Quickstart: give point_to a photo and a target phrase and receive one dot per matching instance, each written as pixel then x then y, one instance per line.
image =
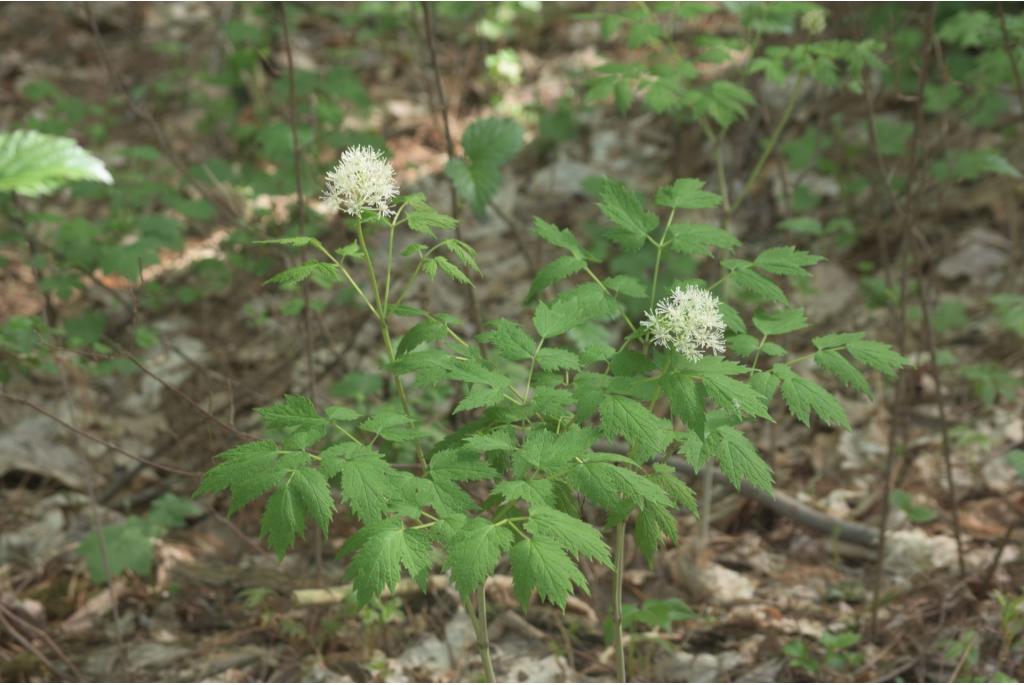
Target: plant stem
pixel 483 637
pixel 620 562
pixel 382 318
pixel 770 147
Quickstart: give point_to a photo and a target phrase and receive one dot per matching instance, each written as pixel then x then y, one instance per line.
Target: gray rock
pixel 428 654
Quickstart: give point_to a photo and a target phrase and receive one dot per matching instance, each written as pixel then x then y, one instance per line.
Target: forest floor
pixel 219 606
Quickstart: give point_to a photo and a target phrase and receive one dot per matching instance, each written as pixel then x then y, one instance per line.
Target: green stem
pixel 620 562
pixel 482 636
pixel 657 259
pixel 607 292
pixel 382 319
pixel 770 147
pixel 533 365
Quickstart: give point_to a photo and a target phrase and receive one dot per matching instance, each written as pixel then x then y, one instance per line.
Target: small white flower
pixel 688 321
pixel 363 179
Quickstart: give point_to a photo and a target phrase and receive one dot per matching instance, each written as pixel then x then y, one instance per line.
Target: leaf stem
pixel 483 637
pixel 382 318
pixel 657 260
pixel 620 562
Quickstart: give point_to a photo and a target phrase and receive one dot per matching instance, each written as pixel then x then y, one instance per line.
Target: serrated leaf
pixel 498 441
pixel 680 493
pixel 834 362
pixel 747 279
pixel 625 209
pixel 511 341
pixel 283 520
pixel 653 524
pixel 495 140
pixel 315 494
pixel 559 237
pixel 34 163
pixel 736 397
pixel 803 395
pixel 125 547
pixel 646 434
pixel 480 396
pixel 459 465
pixel 302 272
pixel 552 273
pixel 367 485
pixel 474 553
pixel 686 399
pixel 572 534
pixel 626 285
pixel 540 563
pixel 877 355
pixel 687 193
pixel 699 239
pixel 739 460
pixel 423 332
pixel 605 483
pixel 781 322
pixel 385 548
pixel 297 418
pixel 556 359
pixel 532 491
pixel 423 218
pixel 786 261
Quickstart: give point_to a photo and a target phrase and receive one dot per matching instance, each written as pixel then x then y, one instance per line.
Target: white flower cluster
pixel 688 321
pixel 363 179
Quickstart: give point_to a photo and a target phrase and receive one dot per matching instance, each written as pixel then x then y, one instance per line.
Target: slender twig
pixel 940 399
pixel 428 24
pixel 770 146
pixel 143 113
pixel 93 438
pixel 897 411
pixel 27 644
pixel 7 614
pixel 307 335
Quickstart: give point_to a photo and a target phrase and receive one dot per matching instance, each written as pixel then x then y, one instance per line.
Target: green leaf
pixel 781 322
pixel 680 493
pixel 315 494
pixel 511 341
pixel 699 239
pixel 626 285
pixel 493 140
pixel 249 470
pixel 646 434
pixel 786 261
pixel 559 237
pixel 572 534
pixel 298 274
pixel 739 460
pixel 532 491
pixel 552 273
pixel 367 484
pixel 687 193
pixel 488 144
pixel 747 279
pixel 381 552
pixel 625 209
pixel 283 520
pixel 847 374
pixel 34 164
pixel 125 547
pixel 423 218
pixel 654 524
pixel 917 513
pixel 498 441
pixel 423 332
pixel 803 395
pixel 877 355
pixel 459 465
pixel 736 397
pixel 604 483
pixel 542 564
pixel 297 418
pixel 686 399
pixel 556 359
pixel 474 553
